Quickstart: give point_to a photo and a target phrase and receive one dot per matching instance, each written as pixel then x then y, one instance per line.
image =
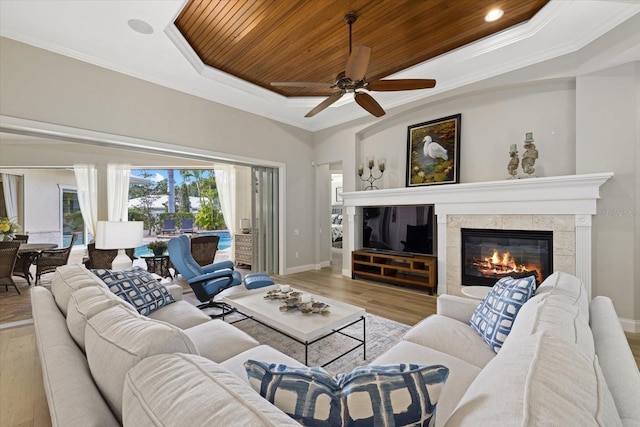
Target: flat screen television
pixel 399 229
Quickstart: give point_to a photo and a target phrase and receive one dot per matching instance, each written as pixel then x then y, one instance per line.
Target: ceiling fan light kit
pixel 353 80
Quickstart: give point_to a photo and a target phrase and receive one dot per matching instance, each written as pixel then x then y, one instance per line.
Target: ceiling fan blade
pixel 324 104
pixel 367 102
pixel 302 84
pixel 401 84
pixel 357 63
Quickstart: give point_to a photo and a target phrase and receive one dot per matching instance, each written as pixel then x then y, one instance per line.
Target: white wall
pixel 47 87
pixel 491 121
pixel 608 139
pixel 43 224
pixel 323 190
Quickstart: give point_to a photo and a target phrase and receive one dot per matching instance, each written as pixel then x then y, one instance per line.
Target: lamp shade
pixel 119 234
pixel 245 225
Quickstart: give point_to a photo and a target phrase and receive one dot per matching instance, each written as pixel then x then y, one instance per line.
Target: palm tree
pixel 172 193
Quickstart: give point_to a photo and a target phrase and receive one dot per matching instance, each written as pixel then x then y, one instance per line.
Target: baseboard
pixel 16 324
pixel 630 325
pixel 323 264
pixel 300 269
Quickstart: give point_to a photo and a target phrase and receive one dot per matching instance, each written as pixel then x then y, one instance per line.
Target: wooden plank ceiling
pixel 307 40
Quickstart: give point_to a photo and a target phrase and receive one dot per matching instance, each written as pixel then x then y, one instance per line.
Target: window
pixel 72 221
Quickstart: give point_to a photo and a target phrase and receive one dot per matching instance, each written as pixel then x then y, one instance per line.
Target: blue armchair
pixel 206 281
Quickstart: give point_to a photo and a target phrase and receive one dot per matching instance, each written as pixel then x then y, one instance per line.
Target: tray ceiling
pixel 266 41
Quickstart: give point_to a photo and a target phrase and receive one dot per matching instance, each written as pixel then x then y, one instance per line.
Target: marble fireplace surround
pixel 563 204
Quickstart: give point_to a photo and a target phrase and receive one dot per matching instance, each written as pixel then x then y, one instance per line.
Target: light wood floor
pixel 22 399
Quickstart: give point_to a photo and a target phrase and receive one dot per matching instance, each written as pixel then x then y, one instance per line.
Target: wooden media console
pixel 414 270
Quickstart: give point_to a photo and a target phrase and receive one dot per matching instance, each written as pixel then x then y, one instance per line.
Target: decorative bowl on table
pixel 295 300
pixel 278 294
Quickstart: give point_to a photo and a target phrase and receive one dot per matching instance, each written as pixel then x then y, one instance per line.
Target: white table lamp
pixel 119 235
pixel 245 225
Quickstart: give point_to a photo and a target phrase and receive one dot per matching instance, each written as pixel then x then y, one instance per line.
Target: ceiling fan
pixel 352 80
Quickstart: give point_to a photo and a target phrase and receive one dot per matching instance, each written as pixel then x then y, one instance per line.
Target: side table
pixel 243 248
pixel 158 264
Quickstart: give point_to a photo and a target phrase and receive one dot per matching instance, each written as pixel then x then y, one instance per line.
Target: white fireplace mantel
pixel 558 195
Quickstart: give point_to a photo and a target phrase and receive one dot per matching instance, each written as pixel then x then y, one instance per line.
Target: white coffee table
pixel 303 328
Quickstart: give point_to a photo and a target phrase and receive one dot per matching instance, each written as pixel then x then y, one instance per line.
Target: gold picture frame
pixel 433 152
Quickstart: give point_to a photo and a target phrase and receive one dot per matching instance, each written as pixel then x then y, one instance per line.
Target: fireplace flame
pixel 505 264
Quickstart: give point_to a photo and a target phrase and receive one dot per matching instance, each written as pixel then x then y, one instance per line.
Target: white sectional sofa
pixel 104 364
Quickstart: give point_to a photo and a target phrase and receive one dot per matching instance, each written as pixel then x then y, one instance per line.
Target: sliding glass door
pixel 264 210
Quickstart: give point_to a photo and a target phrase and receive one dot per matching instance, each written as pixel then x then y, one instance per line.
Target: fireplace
pixel 489 255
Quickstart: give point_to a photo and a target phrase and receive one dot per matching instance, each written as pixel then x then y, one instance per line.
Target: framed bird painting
pixel 433 152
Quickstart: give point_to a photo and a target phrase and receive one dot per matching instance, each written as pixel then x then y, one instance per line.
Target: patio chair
pixel 204 248
pixel 8 255
pixel 23 261
pixel 168 226
pixel 102 258
pixel 206 281
pixel 22 238
pixel 187 225
pixel 47 261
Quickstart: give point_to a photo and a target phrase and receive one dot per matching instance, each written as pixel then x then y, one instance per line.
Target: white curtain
pixel 10 188
pixel 118 191
pixel 87 188
pixel 226 184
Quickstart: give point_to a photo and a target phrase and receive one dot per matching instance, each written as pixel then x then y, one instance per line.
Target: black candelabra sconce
pixel 371 179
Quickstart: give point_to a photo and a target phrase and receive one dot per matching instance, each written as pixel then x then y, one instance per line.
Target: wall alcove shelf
pixel 414 270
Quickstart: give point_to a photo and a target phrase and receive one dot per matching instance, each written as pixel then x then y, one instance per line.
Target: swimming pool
pixel 225 238
pixel 224 243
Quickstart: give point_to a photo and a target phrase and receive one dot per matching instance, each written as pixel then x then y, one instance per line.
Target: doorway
pixel 336 210
pixel 144 154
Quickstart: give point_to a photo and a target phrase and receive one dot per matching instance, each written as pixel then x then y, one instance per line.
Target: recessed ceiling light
pixel 139 26
pixel 493 15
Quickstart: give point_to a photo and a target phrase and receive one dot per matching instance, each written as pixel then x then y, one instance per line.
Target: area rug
pixel 382 334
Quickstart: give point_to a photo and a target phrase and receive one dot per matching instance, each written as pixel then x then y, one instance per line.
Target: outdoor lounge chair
pixel 169 226
pixel 206 281
pixel 186 226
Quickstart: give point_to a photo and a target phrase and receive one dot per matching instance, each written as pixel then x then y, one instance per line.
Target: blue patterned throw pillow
pixel 495 315
pixel 394 395
pixel 138 287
